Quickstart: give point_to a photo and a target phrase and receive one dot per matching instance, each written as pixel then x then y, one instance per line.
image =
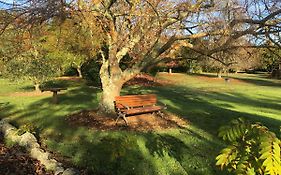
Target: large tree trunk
pixel 111 87
pixel 109 92
pixel 112 80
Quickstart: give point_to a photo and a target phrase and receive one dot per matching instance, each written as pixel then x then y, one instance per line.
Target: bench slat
pixel 122 104
pixel 135 100
pixel 136 96
pixel 142 110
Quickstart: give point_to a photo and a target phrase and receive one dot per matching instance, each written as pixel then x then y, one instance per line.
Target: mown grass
pixel 206 102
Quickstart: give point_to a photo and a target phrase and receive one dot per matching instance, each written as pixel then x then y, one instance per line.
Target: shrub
pixel 252 149
pixel 90 71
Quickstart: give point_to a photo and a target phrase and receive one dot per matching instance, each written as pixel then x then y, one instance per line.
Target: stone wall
pixel 29 141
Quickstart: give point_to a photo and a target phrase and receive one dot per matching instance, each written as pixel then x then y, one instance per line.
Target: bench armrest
pixel 125 105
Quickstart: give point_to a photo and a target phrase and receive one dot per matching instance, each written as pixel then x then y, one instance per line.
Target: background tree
pixel 32 66
pixel 74 42
pixel 240 59
pixel 25 55
pixel 271 59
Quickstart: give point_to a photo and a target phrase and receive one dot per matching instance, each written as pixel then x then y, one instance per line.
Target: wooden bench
pixel 55 93
pixel 136 104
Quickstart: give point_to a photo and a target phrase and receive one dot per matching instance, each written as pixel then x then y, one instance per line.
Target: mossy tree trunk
pixel 113 79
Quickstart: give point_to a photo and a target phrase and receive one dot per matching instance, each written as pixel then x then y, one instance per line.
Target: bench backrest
pixel 135 100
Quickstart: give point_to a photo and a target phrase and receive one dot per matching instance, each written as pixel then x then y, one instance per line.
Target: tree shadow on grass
pixel 123 152
pixel 6 109
pixel 196 106
pixel 204 75
pixel 258 79
pixel 105 154
pixel 27 88
pixel 43 114
pixel 260 82
pixel 139 153
pixel 111 152
pixel 194 156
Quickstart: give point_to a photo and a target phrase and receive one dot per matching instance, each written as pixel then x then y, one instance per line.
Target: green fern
pixel 234 131
pixel 252 149
pixel 227 155
pixel 270 154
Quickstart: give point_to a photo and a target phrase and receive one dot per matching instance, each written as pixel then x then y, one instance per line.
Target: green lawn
pixel 203 100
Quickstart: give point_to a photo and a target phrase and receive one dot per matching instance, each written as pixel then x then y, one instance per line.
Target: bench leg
pixel 118 116
pixel 55 97
pixel 124 118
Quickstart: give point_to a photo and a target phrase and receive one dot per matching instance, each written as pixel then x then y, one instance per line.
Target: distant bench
pixel 136 104
pixel 55 93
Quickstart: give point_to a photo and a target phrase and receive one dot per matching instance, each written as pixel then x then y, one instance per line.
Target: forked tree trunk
pixel 37 87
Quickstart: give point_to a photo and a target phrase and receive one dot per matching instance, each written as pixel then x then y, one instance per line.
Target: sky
pixel 3 3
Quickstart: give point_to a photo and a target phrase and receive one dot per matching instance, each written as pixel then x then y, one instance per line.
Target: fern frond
pixel 242 167
pixel 226 156
pixel 234 131
pixel 250 171
pixel 253 149
pixel 270 153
